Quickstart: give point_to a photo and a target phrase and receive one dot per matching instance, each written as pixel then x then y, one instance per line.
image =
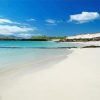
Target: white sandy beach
pixel 75 78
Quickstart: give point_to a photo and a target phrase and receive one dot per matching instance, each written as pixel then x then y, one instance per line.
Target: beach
pixel 49 50
pixel 77 77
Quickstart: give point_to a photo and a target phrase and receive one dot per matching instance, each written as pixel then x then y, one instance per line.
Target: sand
pixel 75 78
pixel 89 43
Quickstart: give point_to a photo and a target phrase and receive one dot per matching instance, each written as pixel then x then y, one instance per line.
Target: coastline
pixel 10 74
pixel 75 78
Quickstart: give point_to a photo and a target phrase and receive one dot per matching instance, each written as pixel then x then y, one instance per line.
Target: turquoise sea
pixel 31 53
pixel 33 44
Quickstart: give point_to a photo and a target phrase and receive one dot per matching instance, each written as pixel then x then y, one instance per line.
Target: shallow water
pixel 24 53
pixel 19 58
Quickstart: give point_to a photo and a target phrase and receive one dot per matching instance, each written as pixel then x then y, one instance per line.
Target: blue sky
pixel 49 17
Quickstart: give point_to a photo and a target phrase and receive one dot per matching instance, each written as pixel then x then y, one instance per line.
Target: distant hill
pixel 7 37
pixel 33 38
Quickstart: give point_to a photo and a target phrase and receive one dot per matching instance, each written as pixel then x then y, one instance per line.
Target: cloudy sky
pixel 25 18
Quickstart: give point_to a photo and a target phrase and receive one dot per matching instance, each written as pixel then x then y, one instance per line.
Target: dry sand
pixel 75 78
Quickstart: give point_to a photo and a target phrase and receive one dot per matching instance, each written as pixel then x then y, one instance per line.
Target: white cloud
pixel 84 17
pixel 10 30
pixel 24 35
pixel 31 19
pixel 2 20
pixel 9 27
pixel 51 21
pixel 8 21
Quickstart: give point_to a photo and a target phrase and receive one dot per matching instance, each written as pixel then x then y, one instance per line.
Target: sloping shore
pixel 75 78
pixel 83 44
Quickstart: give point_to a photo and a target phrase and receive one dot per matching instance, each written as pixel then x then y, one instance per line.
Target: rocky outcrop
pixel 91 46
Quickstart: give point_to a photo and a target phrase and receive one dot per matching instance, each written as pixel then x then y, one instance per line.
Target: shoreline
pixel 9 76
pixel 75 78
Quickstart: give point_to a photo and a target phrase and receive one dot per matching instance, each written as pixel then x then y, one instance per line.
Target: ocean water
pixel 33 44
pixel 27 53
